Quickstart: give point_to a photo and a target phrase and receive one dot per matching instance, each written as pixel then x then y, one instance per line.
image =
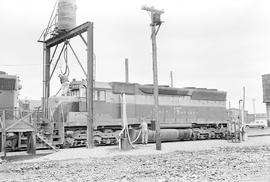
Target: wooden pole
pixel 4 134
pixel 243 108
pixel 19 139
pixel 33 151
pixel 155 80
pixel 28 142
pixel 254 110
pixel 155 21
pixel 171 74
pixel 90 89
pixel 126 70
pixel 242 131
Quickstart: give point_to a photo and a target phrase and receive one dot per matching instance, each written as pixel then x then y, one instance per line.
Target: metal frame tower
pixel 54 42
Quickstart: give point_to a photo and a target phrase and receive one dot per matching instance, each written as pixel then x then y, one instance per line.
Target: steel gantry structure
pixel 64 38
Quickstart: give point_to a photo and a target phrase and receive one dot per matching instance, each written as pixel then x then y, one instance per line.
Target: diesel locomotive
pixel 184 113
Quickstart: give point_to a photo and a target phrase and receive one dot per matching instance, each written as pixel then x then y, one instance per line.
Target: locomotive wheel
pixel 97 140
pixel 224 135
pixel 212 135
pixel 69 142
pixel 9 143
pixel 194 136
pixel 12 143
pixel 108 141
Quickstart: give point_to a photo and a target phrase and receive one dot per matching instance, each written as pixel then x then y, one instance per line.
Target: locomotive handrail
pixel 45 141
pixel 23 118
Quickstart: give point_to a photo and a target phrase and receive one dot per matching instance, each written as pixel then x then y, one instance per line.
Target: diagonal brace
pixel 77 59
pixel 54 53
pixel 83 40
pixel 57 60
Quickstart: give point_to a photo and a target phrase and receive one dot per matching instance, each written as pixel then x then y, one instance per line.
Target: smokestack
pixel 126 70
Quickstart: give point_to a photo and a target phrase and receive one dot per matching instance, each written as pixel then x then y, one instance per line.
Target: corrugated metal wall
pixel 7 84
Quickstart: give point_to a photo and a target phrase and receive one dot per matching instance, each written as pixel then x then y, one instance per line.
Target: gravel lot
pixel 215 160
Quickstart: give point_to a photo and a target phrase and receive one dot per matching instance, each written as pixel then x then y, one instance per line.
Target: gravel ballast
pixel 196 161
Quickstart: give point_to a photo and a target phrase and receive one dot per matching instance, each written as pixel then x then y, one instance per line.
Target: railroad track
pixel 258 135
pixel 256 132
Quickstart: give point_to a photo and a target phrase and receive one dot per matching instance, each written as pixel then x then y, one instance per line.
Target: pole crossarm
pixel 152 9
pixel 70 34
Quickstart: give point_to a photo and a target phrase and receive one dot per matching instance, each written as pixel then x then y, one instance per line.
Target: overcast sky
pixel 222 44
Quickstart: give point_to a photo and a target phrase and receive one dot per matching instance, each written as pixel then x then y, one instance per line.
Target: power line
pixel 20 65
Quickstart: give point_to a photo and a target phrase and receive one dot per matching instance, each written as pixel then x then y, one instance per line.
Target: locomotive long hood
pixel 194 93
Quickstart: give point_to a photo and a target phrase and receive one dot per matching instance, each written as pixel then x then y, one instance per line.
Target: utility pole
pixel 244 119
pixel 243 108
pixel 254 110
pixel 155 22
pixel 237 129
pixel 126 70
pixel 4 134
pixel 171 74
pixel 229 112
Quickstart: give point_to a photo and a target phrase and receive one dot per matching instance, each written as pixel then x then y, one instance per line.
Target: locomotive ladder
pixel 47 142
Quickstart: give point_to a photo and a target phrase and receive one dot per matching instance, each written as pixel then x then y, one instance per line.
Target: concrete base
pixel 125 145
pixel 245 137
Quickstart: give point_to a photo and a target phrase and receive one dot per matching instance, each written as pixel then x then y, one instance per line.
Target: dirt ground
pixel 212 160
